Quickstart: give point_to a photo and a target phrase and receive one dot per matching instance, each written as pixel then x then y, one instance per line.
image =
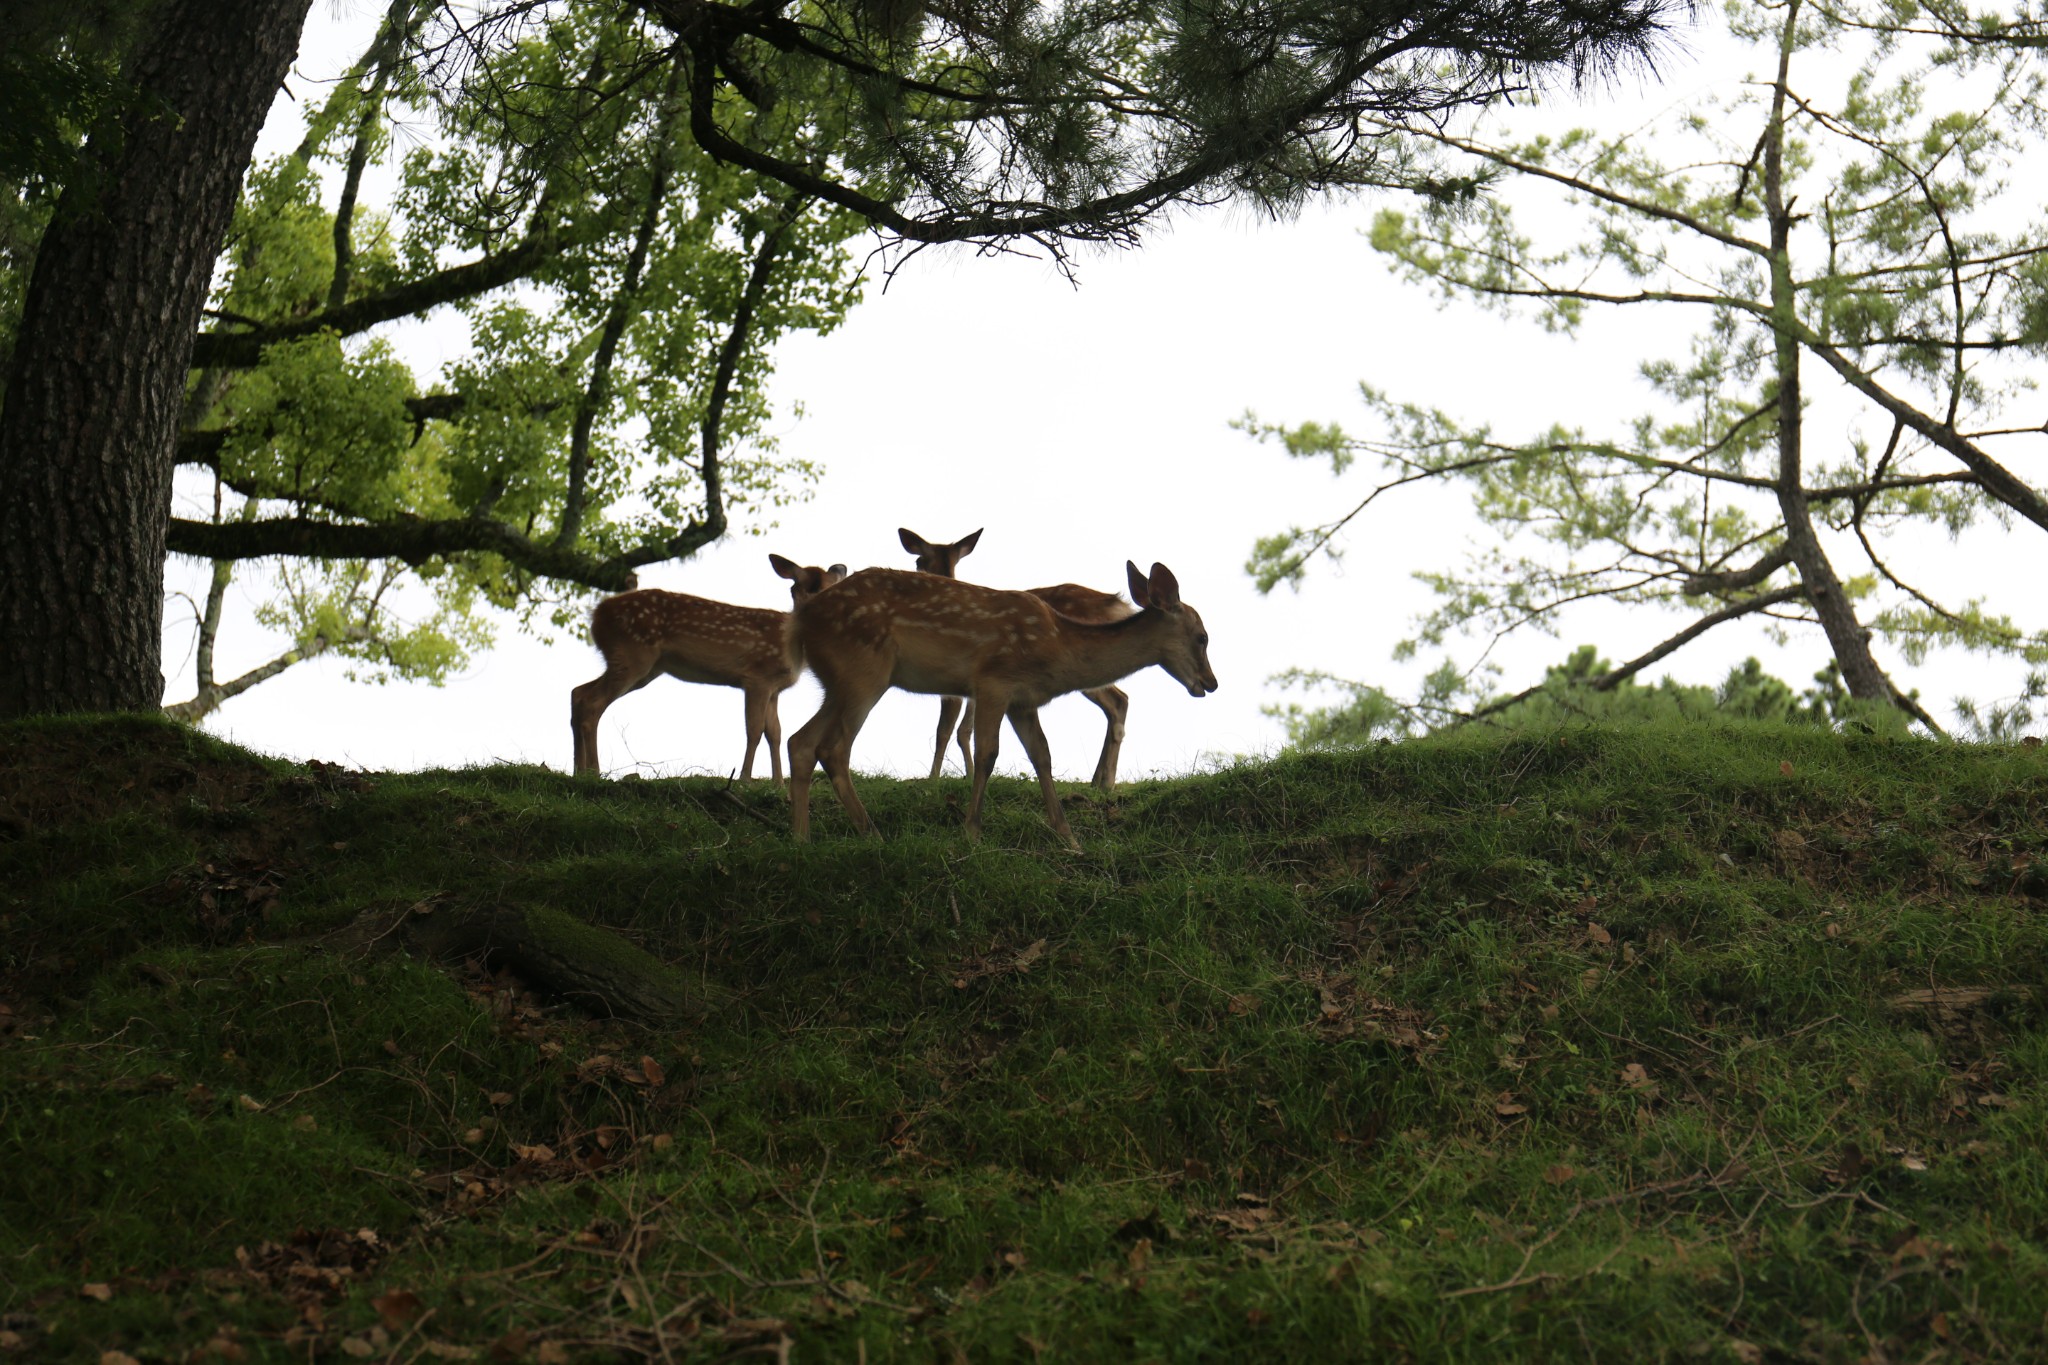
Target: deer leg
pixel 949 711
pixel 1024 720
pixel 587 704
pixel 988 729
pixel 1115 706
pixel 760 705
pixel 771 724
pixel 836 754
pixel 803 759
pixel 965 735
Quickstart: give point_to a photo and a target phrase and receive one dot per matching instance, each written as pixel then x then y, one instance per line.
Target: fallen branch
pixel 553 952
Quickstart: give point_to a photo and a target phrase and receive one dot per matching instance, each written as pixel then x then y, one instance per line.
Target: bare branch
pixel 211 697
pixel 1614 677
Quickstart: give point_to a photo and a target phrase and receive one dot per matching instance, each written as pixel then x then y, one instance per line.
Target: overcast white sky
pixel 1080 427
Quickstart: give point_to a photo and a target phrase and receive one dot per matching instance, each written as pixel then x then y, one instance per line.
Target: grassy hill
pixel 1720 1044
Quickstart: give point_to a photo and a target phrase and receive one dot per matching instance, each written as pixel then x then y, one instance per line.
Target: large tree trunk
pixel 88 431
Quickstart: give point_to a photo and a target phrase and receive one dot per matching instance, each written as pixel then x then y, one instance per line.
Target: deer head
pixel 1187 648
pixel 806 581
pixel 943 560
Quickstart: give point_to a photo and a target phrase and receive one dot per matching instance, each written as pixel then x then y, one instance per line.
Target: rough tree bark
pixel 88 433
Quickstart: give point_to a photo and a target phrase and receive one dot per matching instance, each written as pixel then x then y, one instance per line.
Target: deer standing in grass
pixel 648 632
pixel 1007 652
pixel 1068 599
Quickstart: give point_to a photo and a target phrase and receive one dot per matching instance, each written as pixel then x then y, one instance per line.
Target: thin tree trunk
pixel 1846 635
pixel 94 395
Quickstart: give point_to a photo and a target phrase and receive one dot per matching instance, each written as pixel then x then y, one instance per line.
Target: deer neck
pixel 1099 654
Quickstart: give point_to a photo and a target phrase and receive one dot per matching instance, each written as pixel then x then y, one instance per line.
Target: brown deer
pixel 1068 599
pixel 1007 652
pixel 648 632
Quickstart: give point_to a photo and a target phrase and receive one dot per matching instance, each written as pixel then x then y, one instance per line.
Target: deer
pixel 1068 599
pixel 648 632
pixel 1008 653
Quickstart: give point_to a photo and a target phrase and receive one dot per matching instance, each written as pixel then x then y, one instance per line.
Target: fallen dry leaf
pixel 651 1069
pixel 99 1293
pixel 396 1308
pixel 1243 1219
pixel 1558 1175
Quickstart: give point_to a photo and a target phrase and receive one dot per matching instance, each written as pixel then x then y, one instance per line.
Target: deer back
pixel 1084 604
pixel 696 638
pixel 923 633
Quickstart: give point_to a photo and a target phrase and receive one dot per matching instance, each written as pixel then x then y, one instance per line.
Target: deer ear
pixel 1165 588
pixel 785 568
pixel 835 574
pixel 965 545
pixel 912 541
pixel 1141 591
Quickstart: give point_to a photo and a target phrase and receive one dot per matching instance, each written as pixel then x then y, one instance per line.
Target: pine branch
pixel 1737 580
pixel 1614 677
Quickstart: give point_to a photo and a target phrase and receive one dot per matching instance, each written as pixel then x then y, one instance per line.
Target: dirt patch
pixel 247 822
pixel 53 775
